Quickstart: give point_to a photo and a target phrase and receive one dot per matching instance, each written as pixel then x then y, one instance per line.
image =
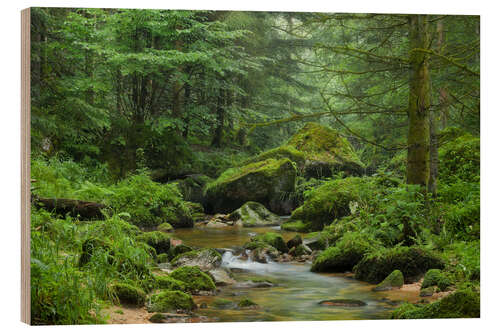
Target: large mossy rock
pixel 128 294
pixel 265 182
pixel 194 279
pixel 435 277
pixel 393 281
pixel 412 261
pixel 331 200
pixel 254 214
pixel 261 251
pixel 205 259
pixel 167 301
pixel 273 239
pixel 461 304
pixel 342 257
pixel 158 240
pixel 318 152
pixel 192 186
pixel 169 283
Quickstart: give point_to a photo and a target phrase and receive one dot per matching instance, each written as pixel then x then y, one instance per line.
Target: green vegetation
pixel 144 121
pixel 167 301
pixel 394 280
pixel 193 278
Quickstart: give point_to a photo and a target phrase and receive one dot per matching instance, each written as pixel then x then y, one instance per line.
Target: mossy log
pixel 84 210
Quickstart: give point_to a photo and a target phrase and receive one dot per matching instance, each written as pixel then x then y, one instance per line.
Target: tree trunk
pixel 217 139
pixel 84 210
pixel 419 102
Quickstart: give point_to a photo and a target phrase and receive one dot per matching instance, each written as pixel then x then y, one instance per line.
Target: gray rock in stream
pixel 221 277
pixel 254 214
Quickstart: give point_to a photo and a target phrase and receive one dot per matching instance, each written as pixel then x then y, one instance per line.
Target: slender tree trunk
pixel 218 133
pixel 187 100
pixel 419 102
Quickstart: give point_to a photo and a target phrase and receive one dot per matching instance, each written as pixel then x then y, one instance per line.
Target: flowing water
pixel 296 291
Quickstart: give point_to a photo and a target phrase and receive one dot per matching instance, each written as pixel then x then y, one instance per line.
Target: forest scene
pixel 224 166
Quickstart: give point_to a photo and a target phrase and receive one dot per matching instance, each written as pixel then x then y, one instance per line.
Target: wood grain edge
pixel 25 165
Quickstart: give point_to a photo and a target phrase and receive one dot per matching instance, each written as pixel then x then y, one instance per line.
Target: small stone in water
pixel 342 302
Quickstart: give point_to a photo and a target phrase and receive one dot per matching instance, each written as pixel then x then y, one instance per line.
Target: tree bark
pixel 217 138
pixel 419 103
pixel 84 210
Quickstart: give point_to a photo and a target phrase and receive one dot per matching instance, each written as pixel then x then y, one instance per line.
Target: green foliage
pixel 459 160
pixel 157 240
pixel 167 282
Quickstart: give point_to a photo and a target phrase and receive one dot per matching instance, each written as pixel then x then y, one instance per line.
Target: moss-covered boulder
pixel 194 279
pixel 254 214
pixel 326 151
pixel 460 304
pixel 205 259
pixel 265 182
pixel 295 241
pixel 178 249
pixel 165 227
pixel 273 239
pixel 318 151
pixel 192 186
pixel 432 278
pixel 171 300
pixel 169 283
pixel 300 250
pixel 427 292
pixel 331 200
pixel 128 294
pixel 395 280
pixel 412 261
pixel 157 240
pixel 342 257
pixel 162 258
pixel 247 303
pixel 261 251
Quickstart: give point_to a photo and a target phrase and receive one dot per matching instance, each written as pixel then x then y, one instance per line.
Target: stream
pixel 296 291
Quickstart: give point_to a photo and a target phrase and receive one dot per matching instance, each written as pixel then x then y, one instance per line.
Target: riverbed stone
pixel 205 259
pixel 221 277
pixel 254 214
pixel 426 292
pixel 343 302
pixel 294 242
pixel 274 239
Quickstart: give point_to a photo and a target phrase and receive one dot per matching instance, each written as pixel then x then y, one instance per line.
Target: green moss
pixel 169 283
pixel 299 250
pixel 128 294
pixel 273 239
pixel 325 149
pixel 254 214
pixel 157 240
pixel 246 303
pixel 168 300
pixel 296 225
pixel 426 292
pixel 285 151
pixel 461 304
pixel 194 279
pixel 222 303
pixel 165 227
pixel 394 280
pixel 157 318
pixel 412 261
pixel 347 252
pixel 431 278
pixel 331 200
pixel 263 182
